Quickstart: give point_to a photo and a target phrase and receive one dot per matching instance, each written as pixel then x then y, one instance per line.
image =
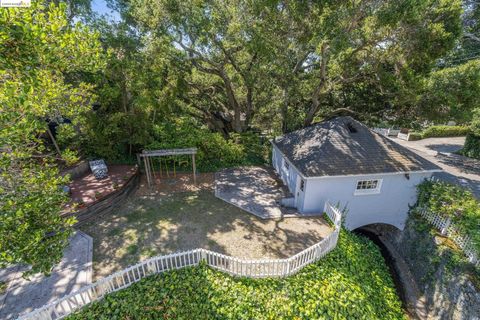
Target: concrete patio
pixel 72 273
pixel 257 190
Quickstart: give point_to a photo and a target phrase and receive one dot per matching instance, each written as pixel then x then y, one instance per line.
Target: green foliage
pixel 351 282
pixel 70 157
pixel 452 93
pixel 137 90
pixel 440 131
pixel 214 151
pixel 277 64
pixel 471 148
pixel 40 55
pixel 414 136
pixel 475 125
pixel 472 142
pixel 32 231
pixel 451 201
pixel 445 131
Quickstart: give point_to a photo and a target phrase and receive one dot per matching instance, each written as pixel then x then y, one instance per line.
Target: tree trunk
pixel 315 106
pixel 249 109
pixel 232 101
pixel 124 96
pixel 284 110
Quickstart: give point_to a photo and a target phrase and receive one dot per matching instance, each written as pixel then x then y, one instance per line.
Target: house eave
pixel 374 174
pixel 272 141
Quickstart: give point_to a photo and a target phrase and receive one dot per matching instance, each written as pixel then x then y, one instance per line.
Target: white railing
pixel 448 228
pixel 232 265
pixel 333 214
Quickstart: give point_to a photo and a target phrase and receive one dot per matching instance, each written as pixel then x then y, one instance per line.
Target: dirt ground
pixel 175 217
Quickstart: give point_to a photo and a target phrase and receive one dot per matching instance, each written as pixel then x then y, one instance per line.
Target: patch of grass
pixel 132 249
pixel 115 232
pixel 351 282
pixel 148 252
pixel 3 287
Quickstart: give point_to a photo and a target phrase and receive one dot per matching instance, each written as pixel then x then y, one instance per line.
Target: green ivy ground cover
pixel 452 201
pixel 351 282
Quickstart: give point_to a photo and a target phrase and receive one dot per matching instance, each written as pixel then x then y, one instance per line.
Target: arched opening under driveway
pixel 384 235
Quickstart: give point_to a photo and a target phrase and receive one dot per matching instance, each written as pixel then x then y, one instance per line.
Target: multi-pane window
pixel 368 186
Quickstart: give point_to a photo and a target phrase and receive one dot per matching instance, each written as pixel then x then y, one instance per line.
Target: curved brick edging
pixel 106 204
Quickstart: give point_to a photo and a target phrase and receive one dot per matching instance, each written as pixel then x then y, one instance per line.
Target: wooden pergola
pixel 147 156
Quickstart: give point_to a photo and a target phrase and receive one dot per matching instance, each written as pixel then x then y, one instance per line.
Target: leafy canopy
pixel 41 56
pixel 245 61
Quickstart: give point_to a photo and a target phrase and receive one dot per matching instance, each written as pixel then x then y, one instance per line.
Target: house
pixel 343 161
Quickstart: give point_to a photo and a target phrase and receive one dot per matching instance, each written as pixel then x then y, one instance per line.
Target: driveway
pixel 441 151
pixel 73 272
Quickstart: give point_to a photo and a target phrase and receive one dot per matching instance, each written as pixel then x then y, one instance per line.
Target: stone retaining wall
pixel 448 289
pixel 77 171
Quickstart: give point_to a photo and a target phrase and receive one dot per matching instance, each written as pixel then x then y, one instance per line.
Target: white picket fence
pixel 448 228
pixel 232 265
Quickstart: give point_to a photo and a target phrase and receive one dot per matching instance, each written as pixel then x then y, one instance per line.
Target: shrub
pixel 351 282
pixel 70 157
pixel 414 136
pixel 457 203
pixel 471 147
pixel 445 131
pixel 214 151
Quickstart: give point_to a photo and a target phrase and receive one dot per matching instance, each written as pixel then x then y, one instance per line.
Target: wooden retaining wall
pixel 105 205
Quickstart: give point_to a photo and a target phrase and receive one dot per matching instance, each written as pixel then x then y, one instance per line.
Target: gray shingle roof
pixel 344 146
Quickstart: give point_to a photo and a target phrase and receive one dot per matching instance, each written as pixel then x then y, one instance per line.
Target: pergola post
pixel 147 171
pixel 152 170
pixel 148 163
pixel 194 169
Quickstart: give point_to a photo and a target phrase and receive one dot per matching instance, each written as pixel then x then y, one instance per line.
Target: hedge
pixel 414 136
pixel 471 147
pixel 445 131
pixel 351 282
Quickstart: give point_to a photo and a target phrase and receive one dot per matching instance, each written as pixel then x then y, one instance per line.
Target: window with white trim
pixel 302 185
pixel 368 186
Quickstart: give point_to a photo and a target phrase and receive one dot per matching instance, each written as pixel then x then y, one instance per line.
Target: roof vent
pixel 351 127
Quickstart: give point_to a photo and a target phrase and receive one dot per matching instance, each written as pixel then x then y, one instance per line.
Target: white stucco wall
pixel 289 178
pixel 389 206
